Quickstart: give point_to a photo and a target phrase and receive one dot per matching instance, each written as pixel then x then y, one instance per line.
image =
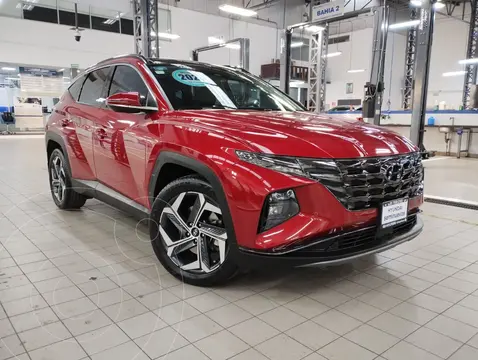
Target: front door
pixel 121 138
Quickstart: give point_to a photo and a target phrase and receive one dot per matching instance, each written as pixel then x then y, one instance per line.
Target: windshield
pixel 208 87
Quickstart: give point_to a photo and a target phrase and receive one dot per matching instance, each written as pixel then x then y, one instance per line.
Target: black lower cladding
pixel 351 242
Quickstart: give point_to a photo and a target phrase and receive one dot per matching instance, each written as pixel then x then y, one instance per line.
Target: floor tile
pixel 433 342
pixel 174 313
pixel 256 304
pixel 394 325
pixel 11 346
pixel 102 339
pixel 329 297
pixel 251 354
pixel 341 349
pixel 76 309
pixel 465 353
pixel 372 339
pixel 44 335
pixel 404 350
pixel 282 347
pixel 197 328
pixel 430 302
pixel 229 315
pixel 359 310
pixel 81 324
pixel 445 293
pixel 59 296
pixel 126 351
pixel 413 313
pixel 379 300
pixel 306 307
pixel 24 305
pixel 207 301
pixel 254 331
pixel 312 335
pixel 187 352
pixel 349 288
pixel 222 345
pixel 337 322
pixel 470 301
pixel 32 320
pixel 452 328
pixel 125 310
pixel 66 349
pixel 282 318
pixel 397 291
pixel 109 297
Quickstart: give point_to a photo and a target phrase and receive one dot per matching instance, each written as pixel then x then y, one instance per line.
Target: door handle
pixel 101 133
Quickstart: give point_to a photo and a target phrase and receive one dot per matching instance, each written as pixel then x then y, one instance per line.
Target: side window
pixel 127 79
pixel 75 88
pixel 92 91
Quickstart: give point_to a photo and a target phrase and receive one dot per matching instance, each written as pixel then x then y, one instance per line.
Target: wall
pixel 53 45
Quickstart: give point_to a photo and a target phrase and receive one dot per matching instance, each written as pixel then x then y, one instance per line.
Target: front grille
pixel 365 183
pixel 354 241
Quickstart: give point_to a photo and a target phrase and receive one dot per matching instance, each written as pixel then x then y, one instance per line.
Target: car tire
pixel 188 209
pixel 60 183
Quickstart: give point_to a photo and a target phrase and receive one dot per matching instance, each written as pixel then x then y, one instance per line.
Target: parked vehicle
pixel 231 172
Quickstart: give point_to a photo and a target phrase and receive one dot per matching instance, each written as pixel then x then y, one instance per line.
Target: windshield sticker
pixel 188 78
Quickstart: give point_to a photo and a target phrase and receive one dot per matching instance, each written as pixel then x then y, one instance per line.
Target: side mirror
pixel 129 102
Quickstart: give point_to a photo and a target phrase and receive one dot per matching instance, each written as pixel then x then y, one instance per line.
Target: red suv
pixel 231 172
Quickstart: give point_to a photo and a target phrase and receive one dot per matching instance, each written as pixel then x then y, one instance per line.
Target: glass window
pixel 196 86
pixel 127 79
pixel 75 88
pixel 92 91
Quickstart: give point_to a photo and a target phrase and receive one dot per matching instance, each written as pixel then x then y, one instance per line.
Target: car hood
pixel 301 134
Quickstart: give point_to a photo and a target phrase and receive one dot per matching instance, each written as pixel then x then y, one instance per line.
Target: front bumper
pixel 334 249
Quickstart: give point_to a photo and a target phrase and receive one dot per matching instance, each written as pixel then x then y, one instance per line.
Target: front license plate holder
pixel 393 212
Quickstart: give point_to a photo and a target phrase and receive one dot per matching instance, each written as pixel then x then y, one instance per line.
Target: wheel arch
pixel 54 141
pixel 167 158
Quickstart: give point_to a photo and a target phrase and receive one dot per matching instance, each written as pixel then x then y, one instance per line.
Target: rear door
pixel 121 138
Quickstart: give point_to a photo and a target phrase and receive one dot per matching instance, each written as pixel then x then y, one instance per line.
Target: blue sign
pixel 188 78
pixel 459 131
pixel 328 10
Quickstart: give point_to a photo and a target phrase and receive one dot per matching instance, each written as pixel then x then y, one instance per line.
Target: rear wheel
pixel 60 183
pixel 188 233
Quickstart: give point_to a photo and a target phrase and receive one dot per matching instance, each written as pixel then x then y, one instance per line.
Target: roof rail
pixel 140 57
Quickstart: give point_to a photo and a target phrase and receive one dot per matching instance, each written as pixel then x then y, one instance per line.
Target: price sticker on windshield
pixel 188 78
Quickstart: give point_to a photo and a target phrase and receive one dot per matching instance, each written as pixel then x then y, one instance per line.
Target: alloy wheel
pixel 193 233
pixel 58 182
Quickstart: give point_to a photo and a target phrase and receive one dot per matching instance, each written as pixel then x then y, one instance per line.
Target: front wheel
pixel 188 234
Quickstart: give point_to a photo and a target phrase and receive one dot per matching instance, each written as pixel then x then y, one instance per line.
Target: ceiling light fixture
pixel 297 44
pixel 237 10
pixel 61 70
pixel 468 61
pixel 168 36
pixel 233 46
pixel 438 5
pixel 416 3
pixel 312 28
pixel 213 40
pixel 334 54
pixel 454 73
pixel 405 24
pixel 6 68
pixel 355 71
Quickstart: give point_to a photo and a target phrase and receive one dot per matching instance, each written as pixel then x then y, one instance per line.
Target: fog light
pixel 278 207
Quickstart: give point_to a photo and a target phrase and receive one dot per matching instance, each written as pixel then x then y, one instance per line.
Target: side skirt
pixel 111 197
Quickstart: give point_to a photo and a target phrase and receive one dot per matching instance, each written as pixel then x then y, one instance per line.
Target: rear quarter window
pixel 75 88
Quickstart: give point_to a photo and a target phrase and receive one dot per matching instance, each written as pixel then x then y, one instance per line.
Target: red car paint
pixel 120 150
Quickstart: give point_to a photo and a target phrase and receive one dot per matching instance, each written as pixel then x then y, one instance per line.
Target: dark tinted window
pixel 203 87
pixel 127 79
pixel 92 91
pixel 75 88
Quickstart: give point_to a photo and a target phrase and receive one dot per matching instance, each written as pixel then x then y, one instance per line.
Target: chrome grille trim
pixel 364 183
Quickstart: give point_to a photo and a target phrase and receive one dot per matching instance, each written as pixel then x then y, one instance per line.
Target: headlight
pixel 288 165
pixel 278 207
pixel 315 169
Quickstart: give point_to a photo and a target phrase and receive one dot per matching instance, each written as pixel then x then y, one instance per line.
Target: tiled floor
pixel 86 285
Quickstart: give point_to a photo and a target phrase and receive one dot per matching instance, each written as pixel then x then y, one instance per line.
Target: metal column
pixel 410 54
pixel 317 68
pixel 377 69
pixel 285 60
pixel 422 68
pixel 471 52
pixel 244 55
pixel 145 17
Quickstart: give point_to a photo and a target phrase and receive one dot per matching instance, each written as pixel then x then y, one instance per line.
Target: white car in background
pixel 347 112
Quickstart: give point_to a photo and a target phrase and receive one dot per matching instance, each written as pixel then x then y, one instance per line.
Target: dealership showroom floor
pixel 86 285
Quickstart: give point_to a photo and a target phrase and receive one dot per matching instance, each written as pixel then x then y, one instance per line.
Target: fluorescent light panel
pixel 237 10
pixel 233 46
pixel 6 68
pixel 438 5
pixel 468 61
pixel 454 73
pixel 355 70
pixel 416 3
pixel 312 28
pixel 405 24
pixel 214 40
pixel 168 36
pixel 297 44
pixel 334 54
